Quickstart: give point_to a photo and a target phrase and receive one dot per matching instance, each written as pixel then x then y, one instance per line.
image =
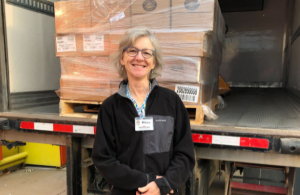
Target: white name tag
pixel 144 124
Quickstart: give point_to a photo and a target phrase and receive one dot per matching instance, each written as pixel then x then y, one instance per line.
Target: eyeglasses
pixel 146 53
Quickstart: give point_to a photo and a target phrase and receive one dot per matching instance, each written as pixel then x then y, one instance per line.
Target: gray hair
pixel 128 40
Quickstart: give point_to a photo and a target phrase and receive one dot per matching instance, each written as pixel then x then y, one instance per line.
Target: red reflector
pixel 27 125
pixel 202 138
pixel 63 128
pixel 254 142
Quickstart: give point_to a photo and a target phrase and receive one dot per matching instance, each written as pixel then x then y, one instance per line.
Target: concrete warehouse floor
pixel 36 180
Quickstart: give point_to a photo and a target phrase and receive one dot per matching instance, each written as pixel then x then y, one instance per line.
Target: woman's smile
pixel 140 66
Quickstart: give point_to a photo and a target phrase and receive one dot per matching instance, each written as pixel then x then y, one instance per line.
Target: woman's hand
pixel 150 189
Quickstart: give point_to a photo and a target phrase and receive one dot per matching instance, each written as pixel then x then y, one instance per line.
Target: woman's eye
pixel 132 51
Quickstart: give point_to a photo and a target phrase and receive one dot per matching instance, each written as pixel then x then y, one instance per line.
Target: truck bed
pixel 266 108
pixel 259 111
pixel 266 111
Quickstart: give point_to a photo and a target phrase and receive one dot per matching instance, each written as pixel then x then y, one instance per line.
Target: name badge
pixel 144 124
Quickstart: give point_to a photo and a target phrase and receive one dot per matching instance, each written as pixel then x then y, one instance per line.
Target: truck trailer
pixel 257 133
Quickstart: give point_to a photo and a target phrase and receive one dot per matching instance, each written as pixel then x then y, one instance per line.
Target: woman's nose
pixel 139 56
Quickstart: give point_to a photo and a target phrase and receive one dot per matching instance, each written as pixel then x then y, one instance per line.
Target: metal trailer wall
pixel 253 49
pixel 294 62
pixel 33 65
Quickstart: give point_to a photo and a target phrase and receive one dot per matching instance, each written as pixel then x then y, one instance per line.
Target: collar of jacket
pixel 122 87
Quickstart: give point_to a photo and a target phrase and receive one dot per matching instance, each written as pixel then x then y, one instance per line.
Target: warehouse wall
pixel 31 50
pixel 294 65
pixel 254 44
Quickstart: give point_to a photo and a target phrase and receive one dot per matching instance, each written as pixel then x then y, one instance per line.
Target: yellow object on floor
pixel 223 87
pixel 13 160
pixel 42 154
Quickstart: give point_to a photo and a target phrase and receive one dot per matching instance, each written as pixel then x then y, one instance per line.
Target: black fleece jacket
pixel 130 159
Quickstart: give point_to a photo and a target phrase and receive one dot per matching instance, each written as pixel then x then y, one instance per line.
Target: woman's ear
pixel 153 65
pixel 122 61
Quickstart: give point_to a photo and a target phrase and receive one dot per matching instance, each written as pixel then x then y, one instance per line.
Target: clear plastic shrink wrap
pixel 190 32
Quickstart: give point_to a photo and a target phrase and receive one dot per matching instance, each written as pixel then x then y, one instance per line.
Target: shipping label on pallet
pixel 93 42
pixel 66 43
pixel 187 93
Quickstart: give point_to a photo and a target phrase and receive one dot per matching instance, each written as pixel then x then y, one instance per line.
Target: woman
pixel 143 141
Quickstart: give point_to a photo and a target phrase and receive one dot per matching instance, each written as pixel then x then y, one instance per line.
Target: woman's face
pixel 138 67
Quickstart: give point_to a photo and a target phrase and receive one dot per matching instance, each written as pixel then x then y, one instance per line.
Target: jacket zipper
pixel 137 114
pixel 143 156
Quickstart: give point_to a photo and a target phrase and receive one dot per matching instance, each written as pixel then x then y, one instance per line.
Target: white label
pixel 187 93
pixel 43 126
pixel 144 124
pixel 205 44
pixel 66 43
pixel 226 140
pixel 93 42
pixel 117 17
pixel 83 129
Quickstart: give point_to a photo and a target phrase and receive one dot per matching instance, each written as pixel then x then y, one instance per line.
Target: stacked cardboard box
pixel 190 32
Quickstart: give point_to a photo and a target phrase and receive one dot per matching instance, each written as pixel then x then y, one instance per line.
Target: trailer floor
pixel 260 108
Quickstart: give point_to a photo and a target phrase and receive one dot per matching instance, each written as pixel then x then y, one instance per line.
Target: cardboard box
pixel 193 6
pixel 111 15
pixel 206 92
pixel 86 90
pixel 182 36
pixel 207 80
pixel 82 45
pixel 198 15
pixel 193 21
pixel 185 49
pixel 199 70
pixel 85 67
pixel 150 6
pixel 86 78
pixel 72 16
pixel 180 69
pixel 116 37
pixel 156 21
pixel 114 46
pixel 120 21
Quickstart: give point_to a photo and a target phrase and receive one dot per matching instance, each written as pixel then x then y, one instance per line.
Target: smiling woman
pixel 136 64
pixel 130 38
pixel 143 142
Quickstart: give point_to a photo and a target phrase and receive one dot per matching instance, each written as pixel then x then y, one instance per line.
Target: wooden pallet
pixel 68 108
pixel 90 109
pixel 195 113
